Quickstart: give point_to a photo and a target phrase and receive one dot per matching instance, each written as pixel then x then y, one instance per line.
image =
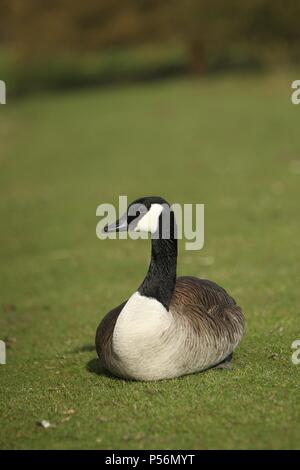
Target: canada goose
pixel 170 326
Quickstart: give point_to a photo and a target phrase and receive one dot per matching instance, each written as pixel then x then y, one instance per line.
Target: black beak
pixel 118 226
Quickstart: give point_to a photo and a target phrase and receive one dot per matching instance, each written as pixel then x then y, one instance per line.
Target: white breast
pixel 151 343
pixel 140 338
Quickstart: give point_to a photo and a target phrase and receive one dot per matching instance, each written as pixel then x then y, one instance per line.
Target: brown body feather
pixel 201 307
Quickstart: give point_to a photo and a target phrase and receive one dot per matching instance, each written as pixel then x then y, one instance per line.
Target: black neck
pixel 160 280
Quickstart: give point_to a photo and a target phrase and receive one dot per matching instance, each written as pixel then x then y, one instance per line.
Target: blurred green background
pixel 186 100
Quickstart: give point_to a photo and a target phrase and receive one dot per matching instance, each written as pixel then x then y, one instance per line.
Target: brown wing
pixel 207 307
pixel 201 292
pixel 104 335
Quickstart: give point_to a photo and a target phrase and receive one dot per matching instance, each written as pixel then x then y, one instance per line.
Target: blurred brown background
pixel 65 43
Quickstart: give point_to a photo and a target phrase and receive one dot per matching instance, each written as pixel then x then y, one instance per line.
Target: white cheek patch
pixel 149 223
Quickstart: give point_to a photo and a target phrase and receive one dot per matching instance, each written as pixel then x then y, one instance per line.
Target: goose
pixel 171 326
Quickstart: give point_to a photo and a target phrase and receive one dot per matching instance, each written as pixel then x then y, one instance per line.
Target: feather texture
pixel 201 329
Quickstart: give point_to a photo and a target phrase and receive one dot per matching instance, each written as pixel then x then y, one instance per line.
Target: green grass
pixel 230 143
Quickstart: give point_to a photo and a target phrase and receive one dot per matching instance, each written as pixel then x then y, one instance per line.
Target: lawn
pixel 231 143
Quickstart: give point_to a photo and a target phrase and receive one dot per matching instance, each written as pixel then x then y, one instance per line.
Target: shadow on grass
pixel 92 365
pixel 95 367
pixel 84 348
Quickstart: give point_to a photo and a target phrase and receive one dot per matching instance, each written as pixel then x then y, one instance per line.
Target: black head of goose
pixel 171 326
